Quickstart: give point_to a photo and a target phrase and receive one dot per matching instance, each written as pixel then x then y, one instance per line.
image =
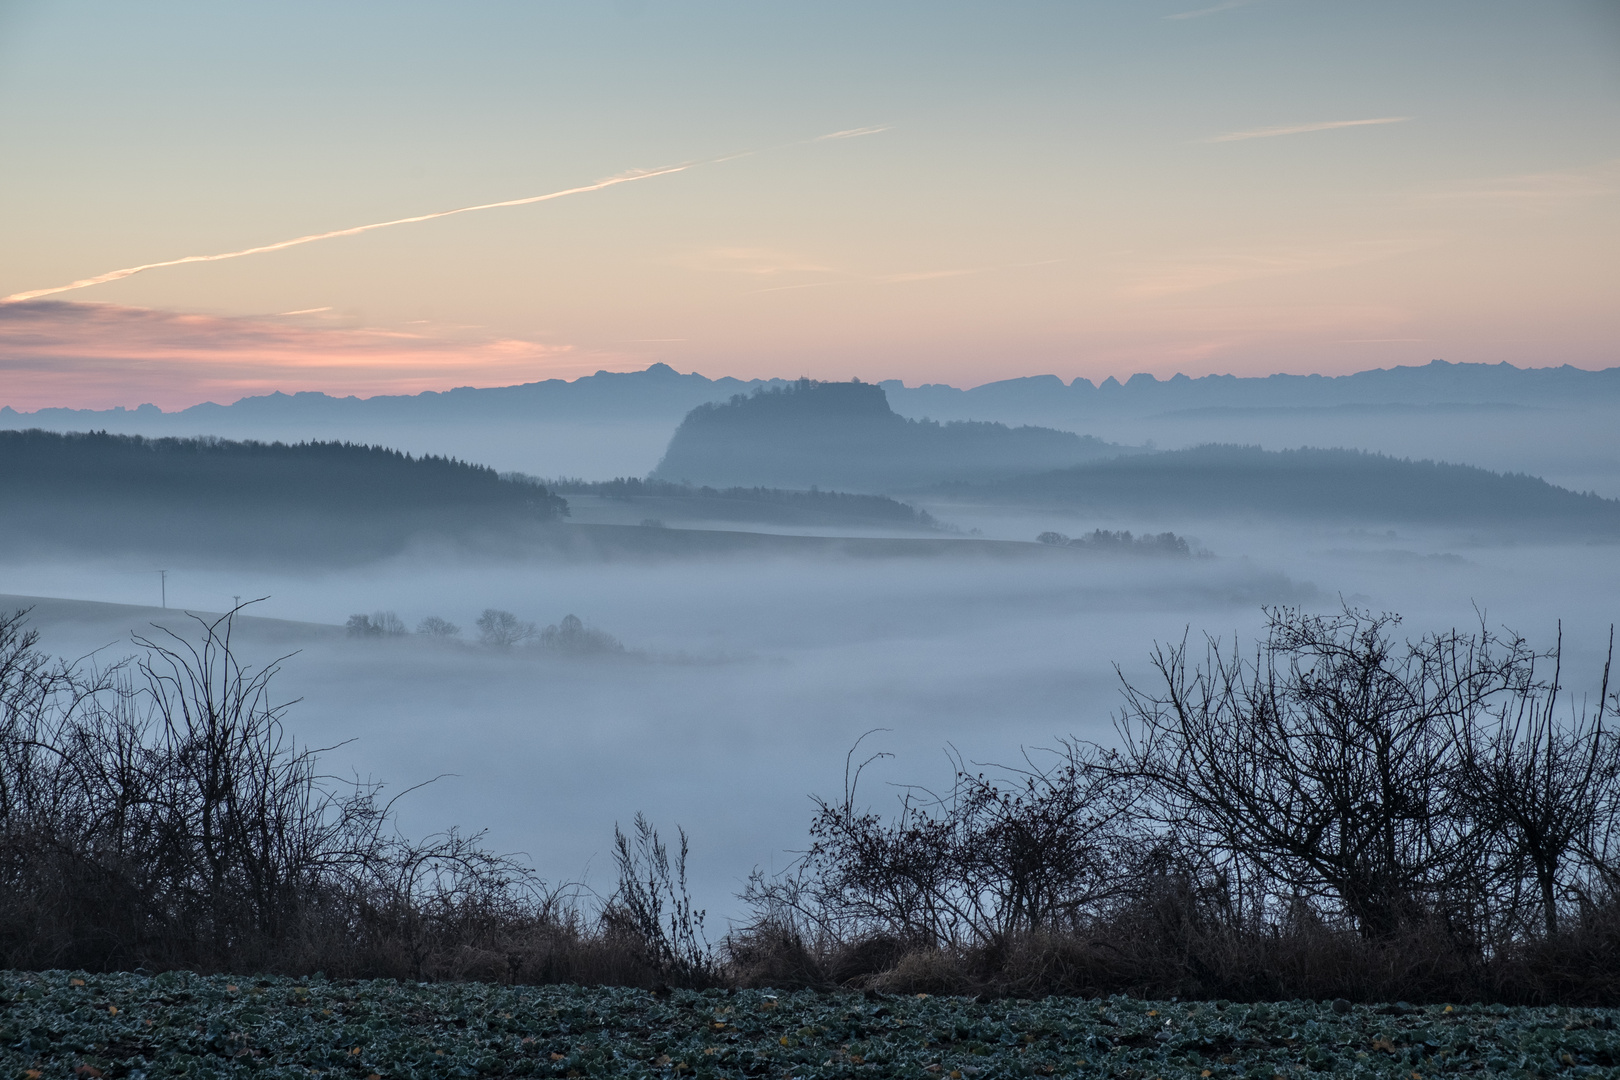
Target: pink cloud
pixel 87 355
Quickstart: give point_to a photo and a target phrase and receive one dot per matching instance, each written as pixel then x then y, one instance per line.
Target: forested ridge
pixel 339 475
pixel 98 491
pixel 1326 484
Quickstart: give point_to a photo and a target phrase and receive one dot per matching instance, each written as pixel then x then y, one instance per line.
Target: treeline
pixel 101 491
pixel 1165 543
pixel 839 505
pixel 498 629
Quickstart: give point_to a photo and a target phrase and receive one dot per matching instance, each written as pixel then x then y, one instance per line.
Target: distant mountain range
pixel 845 435
pixel 619 423
pixel 660 392
pixel 1047 399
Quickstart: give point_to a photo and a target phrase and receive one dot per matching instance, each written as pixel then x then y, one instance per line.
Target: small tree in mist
pixel 502 630
pixel 573 636
pixel 435 627
pixel 378 624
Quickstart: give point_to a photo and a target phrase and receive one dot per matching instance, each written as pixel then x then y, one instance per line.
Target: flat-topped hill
pixel 845 435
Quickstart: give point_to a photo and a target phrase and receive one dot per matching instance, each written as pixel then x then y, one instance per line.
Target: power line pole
pixel 163 578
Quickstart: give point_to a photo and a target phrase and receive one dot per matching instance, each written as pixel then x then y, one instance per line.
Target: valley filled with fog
pixel 746 680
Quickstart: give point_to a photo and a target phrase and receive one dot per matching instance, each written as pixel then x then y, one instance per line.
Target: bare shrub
pixel 996 856
pixel 653 908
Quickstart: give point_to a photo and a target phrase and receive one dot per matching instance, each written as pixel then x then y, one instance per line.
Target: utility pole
pixel 163 578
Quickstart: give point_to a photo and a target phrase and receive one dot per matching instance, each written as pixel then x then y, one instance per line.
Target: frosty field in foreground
pixel 60 1024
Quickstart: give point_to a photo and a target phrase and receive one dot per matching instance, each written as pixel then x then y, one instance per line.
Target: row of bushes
pixel 1339 815
pixel 1165 543
pixel 497 629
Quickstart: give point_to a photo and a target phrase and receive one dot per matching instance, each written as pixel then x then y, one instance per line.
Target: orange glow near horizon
pixel 946 193
pixel 57 354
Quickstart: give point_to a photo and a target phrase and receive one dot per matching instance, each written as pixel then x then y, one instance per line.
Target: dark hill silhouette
pixel 845 435
pixel 1329 485
pixel 100 492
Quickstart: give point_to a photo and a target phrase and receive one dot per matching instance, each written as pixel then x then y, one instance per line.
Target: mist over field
pixel 759 647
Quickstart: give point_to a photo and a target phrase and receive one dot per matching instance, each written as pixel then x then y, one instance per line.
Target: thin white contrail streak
pixel 130 271
pixel 1300 129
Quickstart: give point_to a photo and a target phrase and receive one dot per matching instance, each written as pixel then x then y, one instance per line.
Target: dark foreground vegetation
pixel 62 1023
pixel 100 492
pixel 1339 815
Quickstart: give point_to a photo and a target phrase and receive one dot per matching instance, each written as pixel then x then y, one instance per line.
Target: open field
pixel 61 1023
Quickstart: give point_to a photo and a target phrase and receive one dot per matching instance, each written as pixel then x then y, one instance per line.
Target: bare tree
pixel 501 629
pixel 1328 762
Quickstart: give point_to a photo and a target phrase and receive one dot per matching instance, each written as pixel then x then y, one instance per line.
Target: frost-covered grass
pixel 63 1024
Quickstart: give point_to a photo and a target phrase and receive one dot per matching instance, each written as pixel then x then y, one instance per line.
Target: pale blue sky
pixel 1051 193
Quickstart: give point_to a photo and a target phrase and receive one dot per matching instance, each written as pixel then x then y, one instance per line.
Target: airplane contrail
pixel 130 271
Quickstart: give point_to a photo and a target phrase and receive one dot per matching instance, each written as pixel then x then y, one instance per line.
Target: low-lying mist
pixel 745 680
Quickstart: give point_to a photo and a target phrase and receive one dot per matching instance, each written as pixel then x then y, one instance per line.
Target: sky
pixel 936 192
